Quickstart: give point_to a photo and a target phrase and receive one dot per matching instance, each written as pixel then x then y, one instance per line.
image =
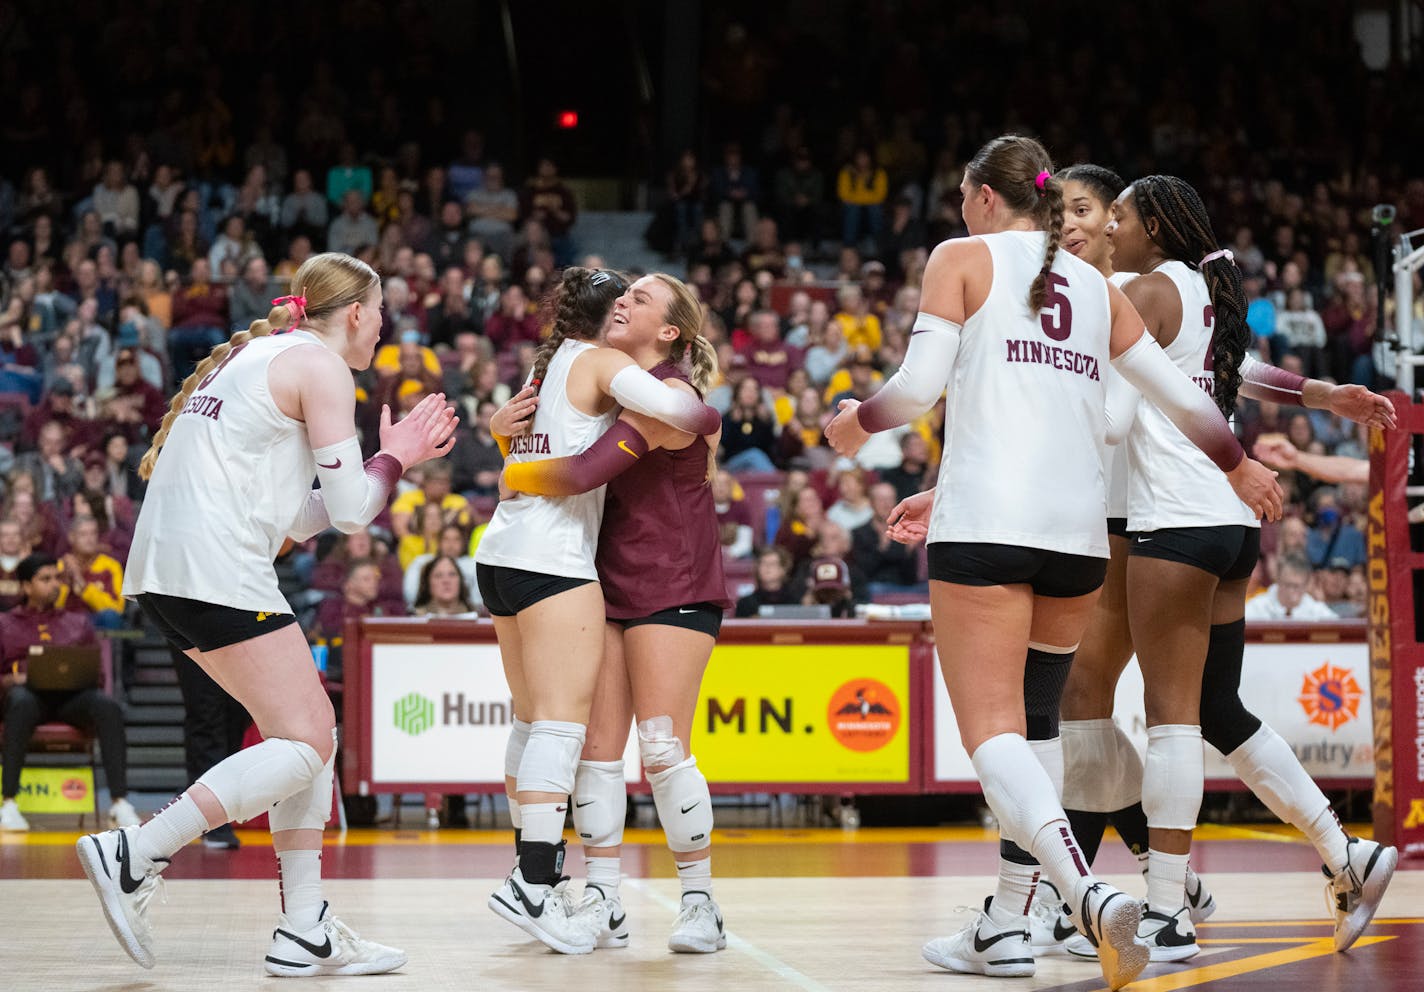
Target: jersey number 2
pixel 1209 319
pixel 1057 313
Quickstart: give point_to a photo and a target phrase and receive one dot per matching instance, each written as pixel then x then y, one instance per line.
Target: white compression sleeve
pixel 642 393
pixel 311 520
pixel 1146 366
pixel 1120 405
pixel 351 492
pixel 921 380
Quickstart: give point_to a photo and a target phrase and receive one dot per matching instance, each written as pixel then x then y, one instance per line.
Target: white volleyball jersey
pixel 1115 455
pixel 1170 482
pixel 547 534
pixel 229 481
pixel 1024 420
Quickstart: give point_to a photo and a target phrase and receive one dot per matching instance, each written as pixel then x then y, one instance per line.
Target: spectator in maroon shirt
pixel 512 322
pixel 199 319
pixel 360 597
pixel 734 517
pixel 136 406
pixel 58 407
pixel 768 358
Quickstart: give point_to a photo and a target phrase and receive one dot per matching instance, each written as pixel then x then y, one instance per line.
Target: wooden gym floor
pixel 806 909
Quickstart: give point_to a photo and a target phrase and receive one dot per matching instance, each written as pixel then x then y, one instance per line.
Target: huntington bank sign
pixel 415 713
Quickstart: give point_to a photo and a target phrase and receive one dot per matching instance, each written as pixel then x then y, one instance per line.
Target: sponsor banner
pixel 1314 695
pixel 442 713
pixel 56 790
pixel 793 713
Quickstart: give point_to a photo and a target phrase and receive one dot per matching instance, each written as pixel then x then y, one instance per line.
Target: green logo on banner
pixel 414 714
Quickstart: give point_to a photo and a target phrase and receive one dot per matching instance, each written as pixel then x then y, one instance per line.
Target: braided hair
pixel 1011 165
pixel 576 309
pixel 1184 234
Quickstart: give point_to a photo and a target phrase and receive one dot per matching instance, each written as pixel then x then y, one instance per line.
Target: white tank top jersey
pixel 1115 455
pixel 551 535
pixel 1170 482
pixel 1025 419
pixel 231 477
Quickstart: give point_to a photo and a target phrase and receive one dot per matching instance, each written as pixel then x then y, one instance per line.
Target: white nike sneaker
pixel 125 887
pixel 1109 919
pixel 1078 946
pixel 11 818
pixel 328 948
pixel 984 948
pixel 1354 893
pixel 122 814
pixel 1168 938
pixel 1049 927
pixel 604 915
pixel 1200 903
pixel 698 927
pixel 545 912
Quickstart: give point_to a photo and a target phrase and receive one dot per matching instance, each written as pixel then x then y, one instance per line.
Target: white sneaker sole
pixel 1120 955
pixel 379 966
pixel 687 944
pixel 1008 969
pixel 91 858
pixel 611 941
pixel 1159 955
pixel 1370 895
pixel 532 928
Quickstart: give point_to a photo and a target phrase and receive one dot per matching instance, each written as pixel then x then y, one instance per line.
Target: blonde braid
pixel 279 317
pixel 704 363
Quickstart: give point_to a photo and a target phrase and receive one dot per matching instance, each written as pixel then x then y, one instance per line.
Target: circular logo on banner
pixel 1330 696
pixel 864 714
pixel 74 789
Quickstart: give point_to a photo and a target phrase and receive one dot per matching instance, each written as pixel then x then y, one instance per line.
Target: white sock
pixel 605 873
pixel 175 826
pixel 1270 768
pixel 1014 893
pixel 543 822
pixel 1062 861
pixel 299 878
pixel 696 879
pixel 516 820
pixel 1166 882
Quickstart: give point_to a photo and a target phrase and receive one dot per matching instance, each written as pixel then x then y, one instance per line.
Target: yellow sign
pixel 56 790
pixel 793 713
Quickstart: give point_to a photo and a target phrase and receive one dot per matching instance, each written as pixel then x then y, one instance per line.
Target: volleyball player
pixel 1194 547
pixel 660 565
pixel 1018 540
pixel 536 572
pixel 261 417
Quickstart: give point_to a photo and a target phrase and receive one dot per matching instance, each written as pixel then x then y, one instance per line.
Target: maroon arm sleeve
pixel 1260 381
pixel 616 451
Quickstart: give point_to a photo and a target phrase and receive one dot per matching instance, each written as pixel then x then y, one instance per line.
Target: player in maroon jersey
pixel 660 564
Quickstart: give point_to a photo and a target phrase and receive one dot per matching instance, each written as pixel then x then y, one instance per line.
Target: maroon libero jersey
pixel 658 547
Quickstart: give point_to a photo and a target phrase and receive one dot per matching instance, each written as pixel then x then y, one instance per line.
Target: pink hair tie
pixel 296 304
pixel 1219 253
pixel 1042 182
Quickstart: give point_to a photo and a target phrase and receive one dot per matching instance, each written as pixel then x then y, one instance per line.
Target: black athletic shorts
pixel 192 623
pixel 702 617
pixel 1228 552
pixel 507 591
pixel 1050 573
pixel 1117 527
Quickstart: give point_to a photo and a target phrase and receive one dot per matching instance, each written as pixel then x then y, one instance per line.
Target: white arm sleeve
pixel 642 393
pixel 311 520
pixel 921 380
pixel 1146 366
pixel 354 493
pixel 1120 405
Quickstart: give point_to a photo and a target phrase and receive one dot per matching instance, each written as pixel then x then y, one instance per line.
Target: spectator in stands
pixel 908 477
pixel 454 544
pixel 133 405
pixel 802 436
pixel 773 586
pixel 733 193
pixel 1299 331
pixel 353 228
pixel 235 246
pixel 802 518
pixel 360 597
pixel 1287 599
pixel 92 581
pixel 828 350
pixel 800 195
pixel 887 565
pixel 861 187
pixel 767 358
pixel 143 335
pixel 452 313
pixel 492 210
pixel 116 202
pixel 547 199
pixel 57 474
pixel 251 296
pixel 764 252
pixel 304 210
pixel 337 551
pixel 860 326
pixel 1349 320
pixel 435 489
pixel 348 176
pixel 121 467
pixel 13 550
pixel 734 517
pixel 443 589
pixel 859 380
pixel 901 233
pixel 39 621
pixel 711 248
pixel 114 514
pixel 475 461
pixel 686 190
pixel 200 319
pixel 512 322
pixel 465 174
pixel 748 430
pixel 1333 536
pixel 852 509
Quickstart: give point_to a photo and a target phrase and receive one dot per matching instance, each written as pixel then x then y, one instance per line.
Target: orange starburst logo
pixel 1330 696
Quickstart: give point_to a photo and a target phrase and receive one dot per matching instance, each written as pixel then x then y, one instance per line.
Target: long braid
pixel 1051 201
pixel 575 309
pixel 1185 234
pixel 279 317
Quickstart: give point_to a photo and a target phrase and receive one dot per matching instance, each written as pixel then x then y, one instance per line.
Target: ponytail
pixel 1019 170
pixel 704 364
pixel 280 316
pixel 1051 200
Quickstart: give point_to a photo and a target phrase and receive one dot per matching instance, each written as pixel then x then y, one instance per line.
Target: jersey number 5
pixel 1057 313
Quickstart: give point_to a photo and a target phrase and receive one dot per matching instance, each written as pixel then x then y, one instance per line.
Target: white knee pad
pixel 1173 776
pixel 684 806
pixel 550 757
pixel 1050 755
pixel 1102 772
pixel 658 746
pixel 514 747
pixel 249 782
pixel 1018 790
pixel 600 803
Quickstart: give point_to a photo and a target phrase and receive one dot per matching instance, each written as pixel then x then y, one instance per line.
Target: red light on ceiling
pixel 568 119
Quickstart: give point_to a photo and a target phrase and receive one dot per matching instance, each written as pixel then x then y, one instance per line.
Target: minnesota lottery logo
pixel 1330 696
pixel 414 714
